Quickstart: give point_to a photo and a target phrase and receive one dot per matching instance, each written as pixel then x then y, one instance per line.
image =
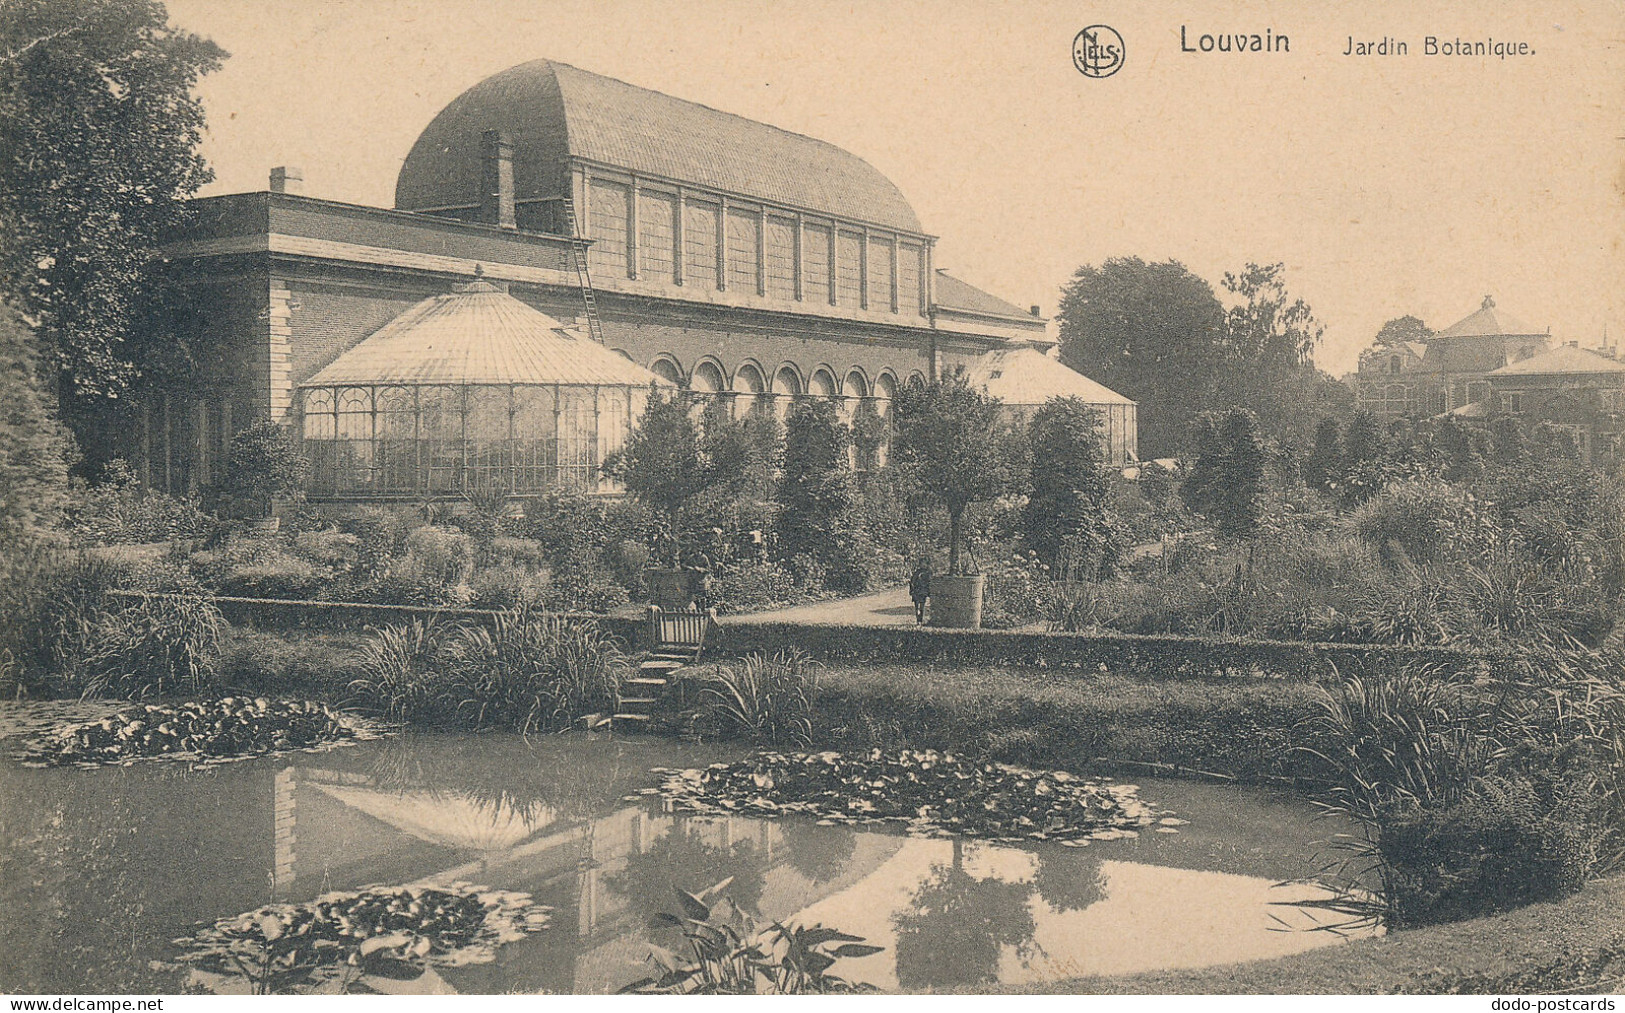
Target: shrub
pixel 271 573
pixel 263 463
pixel 1065 519
pixel 329 548
pixel 506 585
pixel 753 585
pixel 380 534
pixel 581 583
pixel 119 511
pixel 766 700
pixel 157 645
pixel 525 551
pixel 817 494
pixel 438 556
pixel 1425 521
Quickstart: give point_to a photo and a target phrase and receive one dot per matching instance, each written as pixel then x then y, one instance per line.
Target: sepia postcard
pixel 811 497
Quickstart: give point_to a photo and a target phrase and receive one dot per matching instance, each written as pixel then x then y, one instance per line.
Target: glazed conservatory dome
pixel 470 390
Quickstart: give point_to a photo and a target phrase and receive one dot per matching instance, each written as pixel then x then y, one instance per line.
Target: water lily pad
pixel 930 793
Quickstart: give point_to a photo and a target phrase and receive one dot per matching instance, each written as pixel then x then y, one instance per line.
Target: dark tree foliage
pixel 1364 459
pixel 99 132
pixel 660 463
pixel 1507 436
pixel 817 492
pixel 1270 340
pixel 957 448
pixel 1324 465
pixel 1152 332
pixel 1400 330
pixel 739 459
pixel 35 449
pixel 263 462
pixel 1066 519
pixel 1227 482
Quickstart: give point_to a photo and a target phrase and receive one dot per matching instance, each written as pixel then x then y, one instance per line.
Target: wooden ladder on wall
pixel 578 253
pixel 676 641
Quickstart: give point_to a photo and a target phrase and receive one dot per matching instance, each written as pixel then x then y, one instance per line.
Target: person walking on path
pixel 919 588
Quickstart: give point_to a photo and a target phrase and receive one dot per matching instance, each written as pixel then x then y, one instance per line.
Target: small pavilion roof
pixel 1488 321
pixel 479 334
pixel 1563 359
pixel 1026 376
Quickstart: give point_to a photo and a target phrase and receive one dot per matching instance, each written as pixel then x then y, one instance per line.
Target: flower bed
pixel 231 727
pixel 340 938
pixel 934 794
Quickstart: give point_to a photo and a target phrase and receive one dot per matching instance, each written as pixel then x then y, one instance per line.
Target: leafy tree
pixel 1362 472
pixel 34 448
pixel 1270 340
pixel 99 132
pixel 1227 482
pixel 1151 331
pixel 1509 442
pixel 1066 519
pixel 660 462
pixel 957 448
pixel 263 462
pixel 1324 465
pixel 817 493
pixel 1400 330
pixel 739 458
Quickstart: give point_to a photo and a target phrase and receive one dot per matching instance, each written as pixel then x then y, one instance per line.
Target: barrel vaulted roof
pixel 553 112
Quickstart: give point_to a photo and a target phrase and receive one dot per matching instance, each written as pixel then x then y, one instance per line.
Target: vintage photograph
pixel 569 497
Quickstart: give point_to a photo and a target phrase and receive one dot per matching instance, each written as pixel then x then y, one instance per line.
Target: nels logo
pixel 1098 51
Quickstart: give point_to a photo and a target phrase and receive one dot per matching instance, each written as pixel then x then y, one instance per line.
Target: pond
pixel 100 870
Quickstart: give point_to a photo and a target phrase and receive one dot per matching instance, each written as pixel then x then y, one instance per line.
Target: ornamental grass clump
pixel 1474 793
pixel 526 671
pixel 766 700
pixel 530 672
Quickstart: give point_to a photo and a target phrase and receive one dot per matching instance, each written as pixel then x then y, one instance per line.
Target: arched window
pixel 787 386
pixel 667 368
pixel 749 386
pixel 822 384
pixel 708 379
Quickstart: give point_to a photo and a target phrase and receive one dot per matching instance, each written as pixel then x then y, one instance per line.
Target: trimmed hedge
pixel 1158 655
pixel 287 614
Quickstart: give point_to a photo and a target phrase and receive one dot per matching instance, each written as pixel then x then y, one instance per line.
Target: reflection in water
pixel 99 869
pixel 957 925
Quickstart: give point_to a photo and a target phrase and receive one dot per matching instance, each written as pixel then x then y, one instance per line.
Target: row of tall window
pixel 749 250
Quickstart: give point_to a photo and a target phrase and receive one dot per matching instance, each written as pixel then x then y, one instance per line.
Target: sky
pixel 1387 185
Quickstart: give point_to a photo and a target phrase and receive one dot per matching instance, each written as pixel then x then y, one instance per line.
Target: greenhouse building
pixel 469 390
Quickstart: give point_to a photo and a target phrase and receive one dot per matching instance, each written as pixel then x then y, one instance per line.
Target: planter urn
pixel 957 601
pixel 669 587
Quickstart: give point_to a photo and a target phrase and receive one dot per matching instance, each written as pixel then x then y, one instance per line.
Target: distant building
pixel 1576 389
pixel 1447 371
pixel 739 260
pixel 1489 366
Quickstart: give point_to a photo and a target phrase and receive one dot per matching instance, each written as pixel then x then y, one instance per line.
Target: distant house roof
pixel 1026 376
pixel 1487 321
pixel 553 112
pixel 479 334
pixel 953 294
pixel 1562 359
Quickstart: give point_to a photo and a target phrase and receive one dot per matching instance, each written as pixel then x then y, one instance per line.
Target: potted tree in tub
pixel 662 466
pixel 958 449
pixel 262 466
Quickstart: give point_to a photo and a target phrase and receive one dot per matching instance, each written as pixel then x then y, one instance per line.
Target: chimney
pixel 496 179
pixel 287 179
pixel 1034 312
